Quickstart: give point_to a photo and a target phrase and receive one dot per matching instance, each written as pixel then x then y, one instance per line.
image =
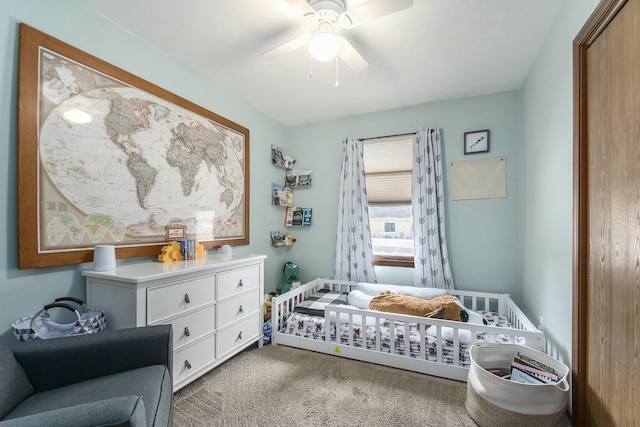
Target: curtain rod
pixel 390 136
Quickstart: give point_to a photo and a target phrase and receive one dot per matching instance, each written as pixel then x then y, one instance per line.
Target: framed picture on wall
pixel 105 157
pixel 476 141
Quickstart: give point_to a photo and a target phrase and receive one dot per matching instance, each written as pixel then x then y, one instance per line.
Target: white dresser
pixel 214 305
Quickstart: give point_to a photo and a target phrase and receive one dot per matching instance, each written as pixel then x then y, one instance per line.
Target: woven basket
pixel 495 402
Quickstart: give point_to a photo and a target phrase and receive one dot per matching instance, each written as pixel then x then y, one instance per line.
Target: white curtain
pixel 354 251
pixel 431 259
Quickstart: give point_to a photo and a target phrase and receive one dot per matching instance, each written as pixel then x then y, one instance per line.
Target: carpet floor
pixel 284 386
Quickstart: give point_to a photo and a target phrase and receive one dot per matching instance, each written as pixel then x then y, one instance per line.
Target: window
pixel 387 164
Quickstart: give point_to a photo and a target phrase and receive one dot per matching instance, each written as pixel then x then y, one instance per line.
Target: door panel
pixel 607 359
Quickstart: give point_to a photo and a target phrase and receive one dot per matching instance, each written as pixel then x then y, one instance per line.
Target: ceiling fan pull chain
pixel 336 72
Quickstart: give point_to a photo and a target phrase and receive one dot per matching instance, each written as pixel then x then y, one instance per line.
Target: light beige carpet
pixel 283 386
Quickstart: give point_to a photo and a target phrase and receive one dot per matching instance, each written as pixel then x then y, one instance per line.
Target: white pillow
pixel 464 335
pixel 422 293
pixel 359 299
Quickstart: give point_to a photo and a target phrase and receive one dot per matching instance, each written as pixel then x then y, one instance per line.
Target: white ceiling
pixel 435 50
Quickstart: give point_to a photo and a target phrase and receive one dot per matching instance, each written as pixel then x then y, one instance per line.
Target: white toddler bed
pixel 432 342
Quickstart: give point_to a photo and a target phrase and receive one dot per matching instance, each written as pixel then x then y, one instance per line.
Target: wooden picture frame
pixel 175 232
pixel 476 141
pixel 105 157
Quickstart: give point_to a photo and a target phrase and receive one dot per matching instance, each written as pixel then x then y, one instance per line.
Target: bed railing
pixel 283 305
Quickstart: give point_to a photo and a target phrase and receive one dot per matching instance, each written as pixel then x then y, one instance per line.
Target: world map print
pixel 118 164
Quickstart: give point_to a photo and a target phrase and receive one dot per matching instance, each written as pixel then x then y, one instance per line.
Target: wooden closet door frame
pixel 597 22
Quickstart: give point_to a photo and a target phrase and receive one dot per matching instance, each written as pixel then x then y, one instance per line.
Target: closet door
pixel 606 339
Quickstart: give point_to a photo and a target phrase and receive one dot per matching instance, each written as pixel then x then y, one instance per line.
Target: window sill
pixel 393 261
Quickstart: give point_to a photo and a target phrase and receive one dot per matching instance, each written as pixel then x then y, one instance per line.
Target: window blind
pixel 387 165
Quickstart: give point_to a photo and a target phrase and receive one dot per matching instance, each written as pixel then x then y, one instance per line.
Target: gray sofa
pixel 114 378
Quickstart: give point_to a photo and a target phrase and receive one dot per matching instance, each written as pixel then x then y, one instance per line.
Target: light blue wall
pixel 22 292
pixel 547 180
pixel 482 234
pixel 520 245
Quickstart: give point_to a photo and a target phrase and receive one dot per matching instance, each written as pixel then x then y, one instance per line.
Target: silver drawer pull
pixel 240 335
pixel 187 364
pixel 186 298
pixel 240 283
pixel 241 309
pixel 186 331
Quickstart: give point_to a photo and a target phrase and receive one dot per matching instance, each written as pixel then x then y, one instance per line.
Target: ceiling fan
pixel 325 20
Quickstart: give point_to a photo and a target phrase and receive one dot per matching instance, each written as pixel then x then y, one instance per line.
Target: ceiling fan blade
pixel 285 48
pixel 351 57
pixel 301 6
pixel 375 9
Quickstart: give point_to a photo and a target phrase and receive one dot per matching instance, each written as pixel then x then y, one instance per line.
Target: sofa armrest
pixel 61 361
pixel 126 411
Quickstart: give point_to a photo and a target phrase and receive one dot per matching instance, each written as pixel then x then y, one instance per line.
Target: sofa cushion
pixel 15 384
pixel 84 357
pixel 126 411
pixel 153 383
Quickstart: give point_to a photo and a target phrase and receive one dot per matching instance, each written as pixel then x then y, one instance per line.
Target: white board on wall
pixel 478 179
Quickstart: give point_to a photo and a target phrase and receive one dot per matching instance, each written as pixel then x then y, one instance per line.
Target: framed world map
pixel 105 157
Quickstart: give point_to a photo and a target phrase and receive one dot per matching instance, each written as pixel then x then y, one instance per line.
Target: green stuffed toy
pixel 290 271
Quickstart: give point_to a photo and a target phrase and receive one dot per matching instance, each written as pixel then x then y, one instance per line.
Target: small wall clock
pixel 476 142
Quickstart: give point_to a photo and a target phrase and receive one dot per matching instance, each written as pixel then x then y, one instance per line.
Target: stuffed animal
pixel 290 271
pixel 289 239
pixel 289 162
pixel 445 307
pixel 266 310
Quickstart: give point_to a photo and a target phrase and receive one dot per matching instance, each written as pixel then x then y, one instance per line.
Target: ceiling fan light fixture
pixel 324 46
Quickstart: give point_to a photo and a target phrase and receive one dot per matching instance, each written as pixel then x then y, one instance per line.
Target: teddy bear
pixel 266 310
pixel 445 307
pixel 266 306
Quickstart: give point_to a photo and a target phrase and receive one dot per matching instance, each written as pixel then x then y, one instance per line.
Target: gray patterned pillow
pixel 314 304
pixel 14 384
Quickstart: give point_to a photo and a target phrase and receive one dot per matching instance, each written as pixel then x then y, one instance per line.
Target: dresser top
pixel 152 270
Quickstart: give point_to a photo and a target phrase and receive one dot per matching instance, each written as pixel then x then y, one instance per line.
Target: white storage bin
pixel 493 401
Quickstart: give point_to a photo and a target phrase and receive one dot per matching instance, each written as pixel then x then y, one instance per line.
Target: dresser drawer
pixel 237 307
pixel 234 281
pixel 190 360
pixel 237 334
pixel 179 297
pixel 195 324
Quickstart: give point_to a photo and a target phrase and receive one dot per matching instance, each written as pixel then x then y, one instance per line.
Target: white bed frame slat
pixel 378 335
pixel 407 342
pixel 283 304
